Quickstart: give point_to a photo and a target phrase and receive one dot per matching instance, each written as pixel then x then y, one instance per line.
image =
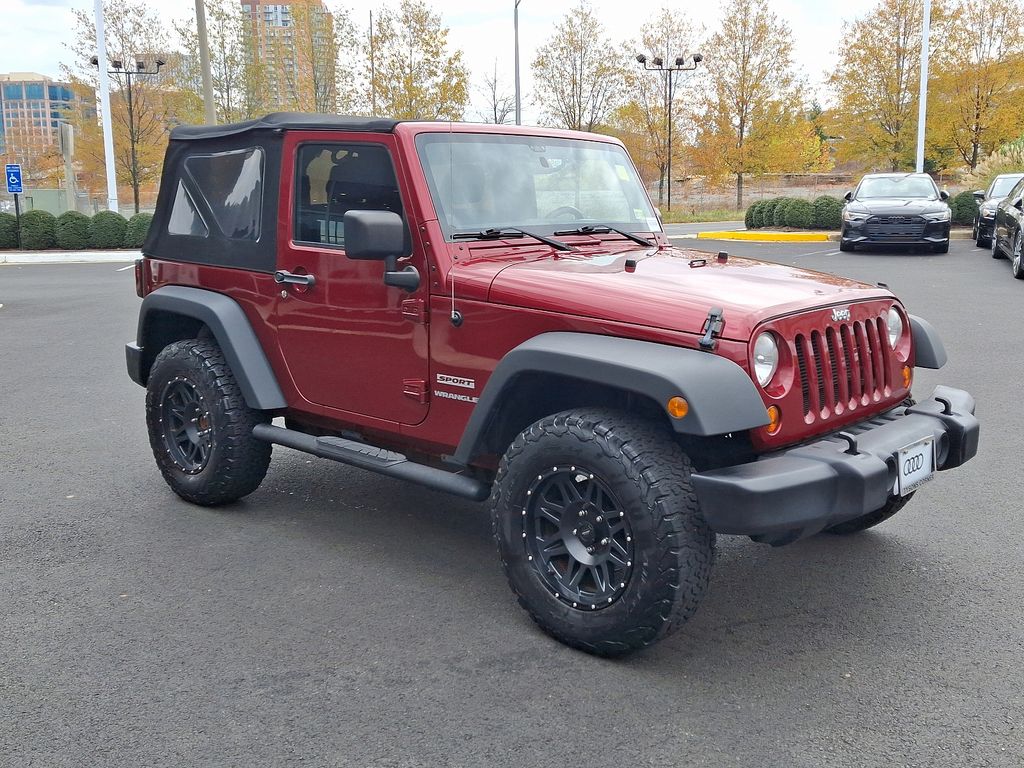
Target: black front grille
pixel 895 228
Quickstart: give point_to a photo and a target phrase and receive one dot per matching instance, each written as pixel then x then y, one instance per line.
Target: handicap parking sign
pixel 13 173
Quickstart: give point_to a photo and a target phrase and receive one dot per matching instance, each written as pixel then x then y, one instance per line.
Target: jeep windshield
pixel 485 183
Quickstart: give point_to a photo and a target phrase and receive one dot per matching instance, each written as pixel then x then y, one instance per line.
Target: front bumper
pixel 867 233
pixel 800 491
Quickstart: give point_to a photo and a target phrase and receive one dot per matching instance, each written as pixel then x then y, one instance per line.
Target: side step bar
pixel 375 459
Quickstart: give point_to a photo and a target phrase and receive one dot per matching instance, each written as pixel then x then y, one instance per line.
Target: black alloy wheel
pixel 186 425
pixel 599 529
pixel 578 535
pixel 200 428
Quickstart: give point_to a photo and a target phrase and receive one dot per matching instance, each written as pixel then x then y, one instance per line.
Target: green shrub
pixel 72 232
pixel 748 217
pixel 106 230
pixel 8 231
pixel 768 211
pixel 757 218
pixel 779 215
pixel 964 208
pixel 800 214
pixel 138 228
pixel 828 212
pixel 38 230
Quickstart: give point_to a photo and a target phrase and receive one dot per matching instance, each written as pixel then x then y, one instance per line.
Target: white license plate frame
pixel 915 465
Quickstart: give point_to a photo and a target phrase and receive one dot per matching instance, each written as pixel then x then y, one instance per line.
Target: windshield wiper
pixel 604 229
pixel 497 234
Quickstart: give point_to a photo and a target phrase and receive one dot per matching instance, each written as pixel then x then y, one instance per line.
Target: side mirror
pixel 1019 205
pixel 943 195
pixel 979 195
pixel 848 196
pixel 380 236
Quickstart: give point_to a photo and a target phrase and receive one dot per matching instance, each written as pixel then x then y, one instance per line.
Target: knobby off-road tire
pixel 880 515
pixel 621 485
pixel 200 428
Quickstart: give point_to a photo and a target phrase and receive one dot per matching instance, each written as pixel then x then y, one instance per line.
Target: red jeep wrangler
pixel 496 312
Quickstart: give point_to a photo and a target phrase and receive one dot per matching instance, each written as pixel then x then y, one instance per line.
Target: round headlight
pixel 766 358
pixel 895 325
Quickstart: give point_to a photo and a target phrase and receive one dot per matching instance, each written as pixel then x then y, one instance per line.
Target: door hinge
pixel 415 310
pixel 416 389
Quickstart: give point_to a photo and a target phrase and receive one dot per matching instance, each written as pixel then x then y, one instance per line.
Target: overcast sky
pixel 34 33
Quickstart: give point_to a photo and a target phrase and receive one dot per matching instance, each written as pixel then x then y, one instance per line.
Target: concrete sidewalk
pixel 68 257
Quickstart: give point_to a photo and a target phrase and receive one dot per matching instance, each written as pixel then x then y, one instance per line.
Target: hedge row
pixel 74 231
pixel 823 213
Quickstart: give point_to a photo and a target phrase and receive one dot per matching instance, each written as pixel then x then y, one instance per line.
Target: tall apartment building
pixel 31 106
pixel 275 24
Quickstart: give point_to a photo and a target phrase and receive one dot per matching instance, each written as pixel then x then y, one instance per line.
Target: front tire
pixel 941 248
pixel 846 247
pixel 996 252
pixel 1018 246
pixel 599 530
pixel 200 428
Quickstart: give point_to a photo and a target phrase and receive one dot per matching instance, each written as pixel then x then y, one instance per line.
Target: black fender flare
pixel 721 396
pixel 929 351
pixel 232 331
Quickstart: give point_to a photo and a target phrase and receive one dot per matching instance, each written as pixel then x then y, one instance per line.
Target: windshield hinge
pixel 712 326
pixel 415 310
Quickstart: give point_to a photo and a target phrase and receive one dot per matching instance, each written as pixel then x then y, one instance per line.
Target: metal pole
pixel 668 115
pixel 204 63
pixel 373 73
pixel 515 19
pixel 108 131
pixel 922 99
pixel 17 218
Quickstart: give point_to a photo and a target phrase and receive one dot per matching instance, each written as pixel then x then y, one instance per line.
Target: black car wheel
pixel 979 238
pixel 1018 245
pixel 846 246
pixel 941 247
pixel 599 530
pixel 200 428
pixel 996 252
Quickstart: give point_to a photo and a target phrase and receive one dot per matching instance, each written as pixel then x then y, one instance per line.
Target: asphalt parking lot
pixel 335 618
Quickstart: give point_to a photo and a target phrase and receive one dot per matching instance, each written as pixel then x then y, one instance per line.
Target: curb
pixel 768 237
pixel 68 257
pixel 757 236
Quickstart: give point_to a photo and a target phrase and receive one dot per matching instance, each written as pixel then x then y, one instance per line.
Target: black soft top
pixel 285 121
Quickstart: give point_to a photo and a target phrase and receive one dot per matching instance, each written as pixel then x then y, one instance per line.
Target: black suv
pixel 896 209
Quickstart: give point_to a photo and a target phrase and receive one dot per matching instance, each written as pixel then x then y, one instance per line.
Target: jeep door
pixel 351 343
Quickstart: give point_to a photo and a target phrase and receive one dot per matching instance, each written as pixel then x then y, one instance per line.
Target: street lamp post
pixel 656 64
pixel 515 21
pixel 141 70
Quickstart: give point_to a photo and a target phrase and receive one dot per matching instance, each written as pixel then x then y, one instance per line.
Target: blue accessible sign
pixel 13 173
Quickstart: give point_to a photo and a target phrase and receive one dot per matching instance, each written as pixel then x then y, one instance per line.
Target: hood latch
pixel 712 326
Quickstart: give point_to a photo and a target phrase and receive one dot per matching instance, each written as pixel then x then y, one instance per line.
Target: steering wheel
pixel 576 213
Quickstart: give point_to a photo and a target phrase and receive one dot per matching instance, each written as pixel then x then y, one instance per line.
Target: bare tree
pixel 501 104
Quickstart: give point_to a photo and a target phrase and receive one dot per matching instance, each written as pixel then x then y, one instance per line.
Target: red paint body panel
pixel 351 353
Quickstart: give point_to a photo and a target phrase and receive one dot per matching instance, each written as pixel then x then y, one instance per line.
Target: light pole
pixel 209 109
pixel 656 64
pixel 922 98
pixel 515 21
pixel 141 70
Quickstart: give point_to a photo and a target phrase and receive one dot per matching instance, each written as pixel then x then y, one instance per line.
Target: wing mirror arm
pixel 407 279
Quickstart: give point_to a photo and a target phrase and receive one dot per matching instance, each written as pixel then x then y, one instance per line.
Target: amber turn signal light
pixel 677 407
pixel 908 376
pixel 774 419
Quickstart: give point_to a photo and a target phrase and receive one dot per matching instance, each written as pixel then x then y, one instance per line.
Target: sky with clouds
pixel 34 33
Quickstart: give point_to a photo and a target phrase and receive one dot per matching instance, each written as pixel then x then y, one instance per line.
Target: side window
pixel 334 178
pixel 184 218
pixel 231 184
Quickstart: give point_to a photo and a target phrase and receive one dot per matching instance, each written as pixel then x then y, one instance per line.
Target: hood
pixel 897 206
pixel 672 289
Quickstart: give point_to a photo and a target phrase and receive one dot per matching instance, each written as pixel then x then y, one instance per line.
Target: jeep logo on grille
pixel 840 314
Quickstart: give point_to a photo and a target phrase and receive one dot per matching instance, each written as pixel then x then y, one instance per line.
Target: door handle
pixel 290 277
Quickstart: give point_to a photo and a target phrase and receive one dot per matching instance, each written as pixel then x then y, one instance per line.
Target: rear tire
pixel 200 428
pixel 599 530
pixel 871 519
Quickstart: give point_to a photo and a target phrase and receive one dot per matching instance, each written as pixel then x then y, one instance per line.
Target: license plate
pixel 915 465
